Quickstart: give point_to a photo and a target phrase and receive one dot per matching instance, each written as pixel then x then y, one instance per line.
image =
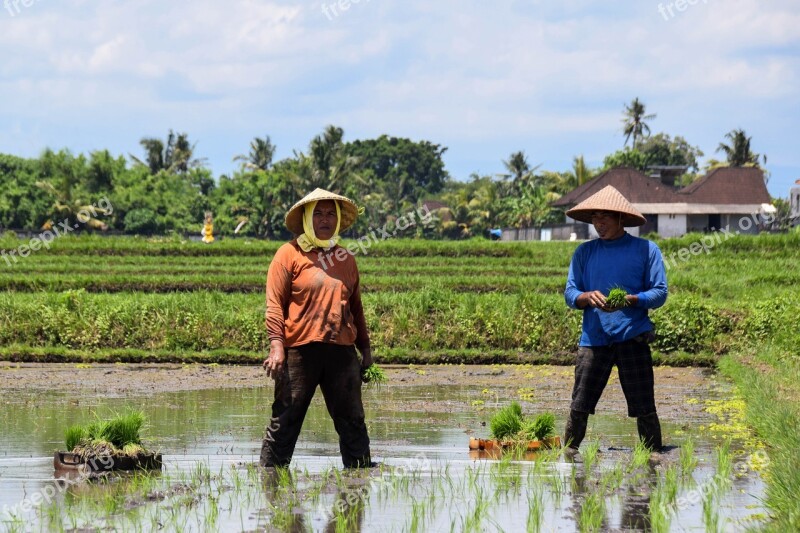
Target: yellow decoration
pixel 208 229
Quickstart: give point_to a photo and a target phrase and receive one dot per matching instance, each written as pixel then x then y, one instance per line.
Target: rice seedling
pixel 616 298
pixel 724 465
pixel 507 422
pixel 688 461
pixel 540 428
pixel 374 375
pixel 533 523
pixel 556 487
pixel 670 484
pixel 589 454
pixel 119 435
pixel 710 512
pixel 641 456
pixel 612 478
pixel 659 517
pixel 592 512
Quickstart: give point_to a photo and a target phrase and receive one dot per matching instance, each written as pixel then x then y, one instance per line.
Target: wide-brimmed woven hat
pixel 607 199
pixel 347 207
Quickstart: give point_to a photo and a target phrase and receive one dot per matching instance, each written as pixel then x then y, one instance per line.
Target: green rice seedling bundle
pixel 540 428
pixel 507 422
pixel 118 435
pixel 616 298
pixel 374 374
pixel 510 424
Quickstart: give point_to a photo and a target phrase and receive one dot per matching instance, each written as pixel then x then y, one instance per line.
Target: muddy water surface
pixel 208 421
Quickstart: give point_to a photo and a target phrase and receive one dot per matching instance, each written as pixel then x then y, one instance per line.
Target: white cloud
pixel 511 72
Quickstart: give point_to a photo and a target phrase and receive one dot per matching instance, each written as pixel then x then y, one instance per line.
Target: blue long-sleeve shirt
pixel 629 262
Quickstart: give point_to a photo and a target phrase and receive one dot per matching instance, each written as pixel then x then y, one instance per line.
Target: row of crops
pixel 453 301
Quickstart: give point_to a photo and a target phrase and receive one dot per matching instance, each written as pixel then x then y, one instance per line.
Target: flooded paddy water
pixel 209 421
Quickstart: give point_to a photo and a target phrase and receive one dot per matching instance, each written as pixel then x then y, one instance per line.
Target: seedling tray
pixel 495 444
pixel 68 461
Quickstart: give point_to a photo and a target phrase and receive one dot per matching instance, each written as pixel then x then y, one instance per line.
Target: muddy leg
pixel 650 431
pixel 294 389
pixel 575 430
pixel 341 387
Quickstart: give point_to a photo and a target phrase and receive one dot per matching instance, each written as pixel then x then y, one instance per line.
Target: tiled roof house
pixel 726 197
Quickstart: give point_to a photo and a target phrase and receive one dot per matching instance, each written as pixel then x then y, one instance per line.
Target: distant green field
pixel 425 300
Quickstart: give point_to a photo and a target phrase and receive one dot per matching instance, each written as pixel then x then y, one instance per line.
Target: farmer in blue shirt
pixel 619 335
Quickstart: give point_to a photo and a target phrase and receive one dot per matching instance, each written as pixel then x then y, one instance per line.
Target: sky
pixel 482 79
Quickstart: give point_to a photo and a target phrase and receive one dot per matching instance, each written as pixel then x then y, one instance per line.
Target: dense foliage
pixel 169 189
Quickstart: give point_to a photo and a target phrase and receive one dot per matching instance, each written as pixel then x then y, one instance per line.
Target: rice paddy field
pixel 731 315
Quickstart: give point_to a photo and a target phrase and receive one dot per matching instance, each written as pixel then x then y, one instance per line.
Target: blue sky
pixel 483 79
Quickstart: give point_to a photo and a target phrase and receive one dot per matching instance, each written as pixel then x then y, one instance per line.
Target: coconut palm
pixel 521 173
pixel 260 156
pixel 326 165
pixel 738 152
pixel 176 155
pixel 634 124
pixel 517 165
pixel 581 172
pixel 67 207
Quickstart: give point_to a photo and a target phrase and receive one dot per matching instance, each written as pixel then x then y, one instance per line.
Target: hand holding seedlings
pixel 617 299
pixel 373 374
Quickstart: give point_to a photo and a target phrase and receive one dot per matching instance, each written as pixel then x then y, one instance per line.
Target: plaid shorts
pixel 635 367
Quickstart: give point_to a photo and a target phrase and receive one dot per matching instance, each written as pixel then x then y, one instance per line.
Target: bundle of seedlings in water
pixel 510 427
pixel 540 428
pixel 507 422
pixel 374 375
pixel 113 444
pixel 616 298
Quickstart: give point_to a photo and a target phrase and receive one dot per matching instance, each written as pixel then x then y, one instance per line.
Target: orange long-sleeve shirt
pixel 314 297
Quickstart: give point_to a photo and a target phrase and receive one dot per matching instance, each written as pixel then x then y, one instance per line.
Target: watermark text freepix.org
pixel 64 227
pixel 381 234
pixel 48 493
pixel 668 11
pixel 708 242
pixel 14 7
pixel 334 9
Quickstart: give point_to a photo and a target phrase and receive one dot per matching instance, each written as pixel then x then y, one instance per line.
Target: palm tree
pixel 738 151
pixel 580 170
pixel 260 156
pixel 66 206
pixel 176 155
pixel 634 124
pixel 521 173
pixel 518 165
pixel 326 165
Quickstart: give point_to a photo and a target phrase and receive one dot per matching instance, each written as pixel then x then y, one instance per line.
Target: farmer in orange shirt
pixel 315 322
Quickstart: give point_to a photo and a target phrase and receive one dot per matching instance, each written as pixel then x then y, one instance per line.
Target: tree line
pixel 167 188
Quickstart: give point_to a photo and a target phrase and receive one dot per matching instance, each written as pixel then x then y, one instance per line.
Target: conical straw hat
pixel 607 199
pixel 348 208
